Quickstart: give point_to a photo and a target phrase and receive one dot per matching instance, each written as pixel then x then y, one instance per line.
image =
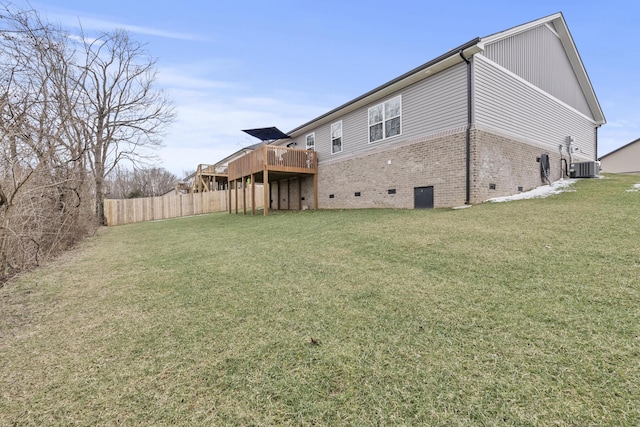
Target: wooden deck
pixel 276 159
pixel 209 178
pixel 269 164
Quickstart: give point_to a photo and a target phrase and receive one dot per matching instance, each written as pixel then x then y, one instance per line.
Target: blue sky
pixel 233 65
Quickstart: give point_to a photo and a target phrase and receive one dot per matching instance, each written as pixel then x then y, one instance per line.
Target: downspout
pixel 596 129
pixel 468 133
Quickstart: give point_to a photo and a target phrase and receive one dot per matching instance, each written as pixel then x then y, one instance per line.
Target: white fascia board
pixel 520 28
pixel 580 71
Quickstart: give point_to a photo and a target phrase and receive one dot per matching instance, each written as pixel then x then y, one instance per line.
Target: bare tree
pixel 70 113
pixel 41 189
pixel 157 181
pixel 148 182
pixel 124 112
pixel 119 183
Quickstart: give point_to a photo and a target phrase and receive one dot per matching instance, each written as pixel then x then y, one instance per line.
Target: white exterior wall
pixel 431 106
pixel 508 105
pixel 539 57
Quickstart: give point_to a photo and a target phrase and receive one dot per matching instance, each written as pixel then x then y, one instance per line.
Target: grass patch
pixel 520 313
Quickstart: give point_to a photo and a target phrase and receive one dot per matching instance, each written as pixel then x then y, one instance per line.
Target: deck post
pixel 299 193
pixel 267 192
pixel 315 190
pixel 278 204
pixel 229 196
pixel 235 190
pixel 288 194
pixel 253 194
pixel 244 195
pixel 265 176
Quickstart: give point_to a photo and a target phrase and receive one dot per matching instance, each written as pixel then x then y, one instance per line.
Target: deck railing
pixel 274 158
pixel 204 169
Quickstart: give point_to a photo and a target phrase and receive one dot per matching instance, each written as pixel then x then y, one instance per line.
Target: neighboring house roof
pixel 241 152
pixel 455 56
pixel 625 159
pixel 188 177
pixel 620 149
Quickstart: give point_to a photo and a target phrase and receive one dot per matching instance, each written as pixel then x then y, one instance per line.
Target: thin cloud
pixel 188 84
pixel 194 76
pixel 622 123
pixel 69 18
pixel 98 24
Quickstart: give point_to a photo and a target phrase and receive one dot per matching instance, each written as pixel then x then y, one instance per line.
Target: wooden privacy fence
pixel 127 211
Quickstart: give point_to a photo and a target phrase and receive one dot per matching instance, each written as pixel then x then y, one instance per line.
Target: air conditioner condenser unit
pixel 585 170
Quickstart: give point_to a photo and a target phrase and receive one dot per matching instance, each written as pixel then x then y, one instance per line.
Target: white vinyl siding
pixel 385 119
pixel 336 137
pixel 539 57
pixel 506 103
pixel 435 104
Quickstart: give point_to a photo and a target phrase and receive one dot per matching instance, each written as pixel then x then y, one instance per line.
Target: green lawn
pixel 519 313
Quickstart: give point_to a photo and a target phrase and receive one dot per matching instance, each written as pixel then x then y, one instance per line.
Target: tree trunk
pixel 3 248
pixel 100 217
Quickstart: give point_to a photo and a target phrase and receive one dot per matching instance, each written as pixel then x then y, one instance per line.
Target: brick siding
pixel 499 167
pixel 506 164
pixel 437 162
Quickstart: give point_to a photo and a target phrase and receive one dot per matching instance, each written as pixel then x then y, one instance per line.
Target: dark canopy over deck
pixel 267 134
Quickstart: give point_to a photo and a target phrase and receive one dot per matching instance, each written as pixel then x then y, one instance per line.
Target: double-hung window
pixel 385 119
pixel 336 137
pixel 311 141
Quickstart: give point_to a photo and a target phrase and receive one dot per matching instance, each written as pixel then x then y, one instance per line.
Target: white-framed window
pixel 385 119
pixel 336 137
pixel 311 141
